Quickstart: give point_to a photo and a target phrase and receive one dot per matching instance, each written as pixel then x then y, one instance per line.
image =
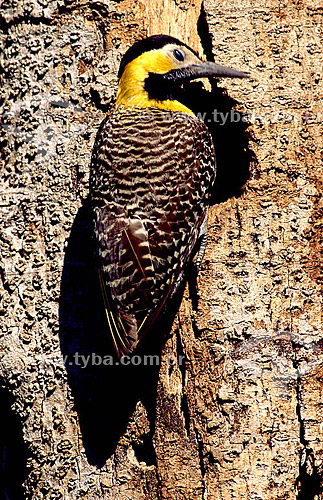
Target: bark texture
pixel 242 417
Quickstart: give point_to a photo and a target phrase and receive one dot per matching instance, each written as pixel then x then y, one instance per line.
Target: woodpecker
pixel 152 171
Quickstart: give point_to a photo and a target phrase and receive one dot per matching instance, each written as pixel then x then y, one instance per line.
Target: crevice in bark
pixel 145 451
pixel 298 412
pixel 4 282
pixel 309 484
pixel 186 414
pixel 200 451
pixel 192 286
pixel 196 330
pixel 181 358
pixel 184 402
pixel 309 481
pixel 205 34
pixel 96 100
pixel 13 451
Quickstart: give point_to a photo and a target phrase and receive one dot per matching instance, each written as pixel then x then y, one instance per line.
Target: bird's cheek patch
pixel 156 61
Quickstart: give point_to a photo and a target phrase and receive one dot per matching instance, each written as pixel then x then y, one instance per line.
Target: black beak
pixel 163 86
pixel 207 69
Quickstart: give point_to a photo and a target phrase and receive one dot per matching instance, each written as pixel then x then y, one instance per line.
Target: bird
pixel 152 171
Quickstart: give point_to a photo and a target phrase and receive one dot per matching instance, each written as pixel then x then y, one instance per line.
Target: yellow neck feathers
pixel 131 90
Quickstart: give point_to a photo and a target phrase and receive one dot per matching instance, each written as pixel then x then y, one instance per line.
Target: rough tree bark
pixel 242 417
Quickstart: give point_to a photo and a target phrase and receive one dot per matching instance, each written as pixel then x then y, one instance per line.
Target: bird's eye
pixel 179 55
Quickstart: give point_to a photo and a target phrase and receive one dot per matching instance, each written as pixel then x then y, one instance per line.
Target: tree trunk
pixel 239 415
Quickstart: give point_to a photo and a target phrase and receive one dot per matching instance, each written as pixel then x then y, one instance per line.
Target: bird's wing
pixel 129 262
pixel 149 199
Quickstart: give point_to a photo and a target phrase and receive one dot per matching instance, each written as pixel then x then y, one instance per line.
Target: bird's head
pixel 153 69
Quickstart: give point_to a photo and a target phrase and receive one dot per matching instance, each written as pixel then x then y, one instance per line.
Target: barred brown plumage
pixel 153 167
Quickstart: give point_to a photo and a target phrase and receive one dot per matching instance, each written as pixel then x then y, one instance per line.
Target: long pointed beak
pixel 207 69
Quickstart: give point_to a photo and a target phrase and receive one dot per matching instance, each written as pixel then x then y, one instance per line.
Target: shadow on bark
pixel 105 395
pixel 231 138
pixel 13 451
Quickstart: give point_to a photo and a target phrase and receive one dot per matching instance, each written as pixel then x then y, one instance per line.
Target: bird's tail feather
pixel 123 328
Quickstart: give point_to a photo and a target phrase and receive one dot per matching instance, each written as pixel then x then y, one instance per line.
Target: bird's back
pixel 151 175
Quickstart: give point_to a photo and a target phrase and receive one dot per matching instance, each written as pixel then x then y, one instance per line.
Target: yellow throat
pixel 131 90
